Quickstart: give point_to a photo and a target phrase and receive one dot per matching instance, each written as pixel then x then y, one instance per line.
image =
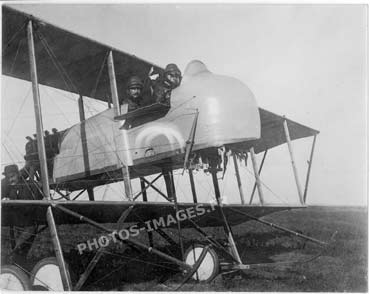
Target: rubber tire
pixel 19 274
pixel 39 288
pixel 211 253
pixel 42 263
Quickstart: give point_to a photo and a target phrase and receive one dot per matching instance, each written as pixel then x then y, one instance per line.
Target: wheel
pixel 46 274
pixel 210 266
pixel 13 278
pixel 39 288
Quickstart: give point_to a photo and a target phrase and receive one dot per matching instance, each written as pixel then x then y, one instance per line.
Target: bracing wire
pixel 57 63
pixel 14 61
pixel 113 271
pixel 6 47
pixel 9 153
pixel 19 111
pixel 266 186
pixel 105 191
pixel 57 67
pixel 93 92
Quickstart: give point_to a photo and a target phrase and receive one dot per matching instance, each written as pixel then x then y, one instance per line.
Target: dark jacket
pixel 162 92
pixel 25 190
pixel 135 104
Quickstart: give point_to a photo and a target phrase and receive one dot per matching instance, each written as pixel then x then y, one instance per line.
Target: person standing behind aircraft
pixel 135 93
pixel 170 80
pixel 15 187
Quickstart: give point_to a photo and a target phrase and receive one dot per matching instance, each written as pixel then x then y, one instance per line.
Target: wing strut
pixel 259 174
pixel 38 113
pixel 309 169
pixel 287 135
pixel 256 175
pixel 85 151
pixel 171 193
pixel 114 92
pixel 192 184
pixel 227 229
pixel 236 166
pixel 42 155
pixel 145 199
pixel 190 141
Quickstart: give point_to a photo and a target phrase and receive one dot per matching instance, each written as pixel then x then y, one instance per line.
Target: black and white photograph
pixel 165 147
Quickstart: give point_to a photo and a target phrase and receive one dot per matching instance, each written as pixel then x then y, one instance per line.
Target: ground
pixel 342 267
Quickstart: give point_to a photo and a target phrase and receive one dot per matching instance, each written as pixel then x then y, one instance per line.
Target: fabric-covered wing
pixel 110 212
pixel 272 132
pixel 78 65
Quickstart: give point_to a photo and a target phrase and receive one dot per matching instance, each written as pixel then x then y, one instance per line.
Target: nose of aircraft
pixel 228 112
pixel 194 68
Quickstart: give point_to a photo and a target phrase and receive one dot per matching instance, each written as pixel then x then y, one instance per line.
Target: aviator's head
pixel 173 75
pixel 11 173
pixel 134 88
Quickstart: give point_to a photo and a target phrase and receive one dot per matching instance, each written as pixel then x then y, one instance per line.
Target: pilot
pixel 170 80
pixel 135 93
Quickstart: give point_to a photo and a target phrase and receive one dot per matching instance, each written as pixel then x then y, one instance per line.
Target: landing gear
pixel 46 274
pixel 209 267
pixel 13 278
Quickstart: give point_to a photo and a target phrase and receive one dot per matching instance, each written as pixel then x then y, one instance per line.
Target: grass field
pixel 341 268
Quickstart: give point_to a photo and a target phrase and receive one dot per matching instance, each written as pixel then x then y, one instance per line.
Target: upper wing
pixel 272 132
pixel 65 60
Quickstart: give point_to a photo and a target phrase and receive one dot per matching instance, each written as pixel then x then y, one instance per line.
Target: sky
pixel 308 62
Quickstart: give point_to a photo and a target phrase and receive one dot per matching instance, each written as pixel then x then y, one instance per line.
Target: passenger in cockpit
pixel 170 80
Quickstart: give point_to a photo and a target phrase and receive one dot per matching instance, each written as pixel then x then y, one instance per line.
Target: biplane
pixel 202 124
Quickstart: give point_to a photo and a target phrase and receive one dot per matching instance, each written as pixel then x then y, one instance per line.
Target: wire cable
pixel 93 92
pixel 19 111
pixel 6 47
